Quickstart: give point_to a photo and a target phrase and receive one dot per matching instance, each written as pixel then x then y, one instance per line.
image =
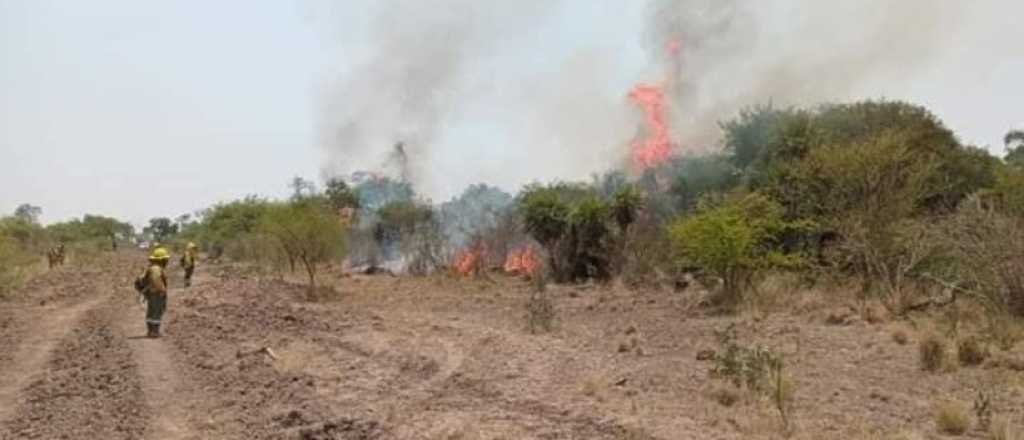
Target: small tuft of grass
pixel 590 387
pixel 932 350
pixel 952 417
pixel 900 336
pixel 726 396
pixel 971 351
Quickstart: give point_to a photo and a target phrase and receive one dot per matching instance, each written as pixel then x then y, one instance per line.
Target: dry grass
pixel 932 352
pixel 952 417
pixel 971 351
pixel 592 387
pixel 906 435
pixel 725 395
pixel 900 336
pixel 1005 331
pixel 1004 428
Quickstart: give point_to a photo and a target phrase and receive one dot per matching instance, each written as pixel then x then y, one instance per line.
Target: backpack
pixel 141 281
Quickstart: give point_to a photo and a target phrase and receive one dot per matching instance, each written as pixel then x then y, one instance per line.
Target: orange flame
pixel 522 261
pixel 469 260
pixel 656 146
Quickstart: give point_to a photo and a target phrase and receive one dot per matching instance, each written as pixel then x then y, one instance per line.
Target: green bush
pixel 306 231
pixel 735 241
pixel 545 214
pixel 222 225
pixel 583 233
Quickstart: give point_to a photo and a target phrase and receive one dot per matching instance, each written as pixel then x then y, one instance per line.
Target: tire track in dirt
pixel 169 397
pixel 44 329
pixel 90 388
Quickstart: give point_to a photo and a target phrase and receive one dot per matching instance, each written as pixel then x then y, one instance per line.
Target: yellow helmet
pixel 159 254
pixel 191 245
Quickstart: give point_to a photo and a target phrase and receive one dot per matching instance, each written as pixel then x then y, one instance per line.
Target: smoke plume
pixel 731 54
pixel 500 92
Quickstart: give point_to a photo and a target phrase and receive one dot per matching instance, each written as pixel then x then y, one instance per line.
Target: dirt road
pixel 245 356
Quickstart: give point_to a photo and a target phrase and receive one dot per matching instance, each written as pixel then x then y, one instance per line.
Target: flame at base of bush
pixel 469 261
pixel 522 261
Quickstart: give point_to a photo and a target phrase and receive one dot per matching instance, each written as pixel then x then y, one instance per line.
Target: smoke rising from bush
pixel 476 97
pixel 733 54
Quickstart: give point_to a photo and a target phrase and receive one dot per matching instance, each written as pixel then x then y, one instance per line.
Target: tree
pixel 160 228
pixel 575 226
pixel 763 141
pixel 29 213
pixel 696 176
pixel 301 187
pixel 106 227
pixel 307 230
pixel 340 194
pixel 1014 154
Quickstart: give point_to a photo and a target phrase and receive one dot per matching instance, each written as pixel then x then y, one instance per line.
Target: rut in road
pixel 39 336
pixel 90 387
pixel 173 407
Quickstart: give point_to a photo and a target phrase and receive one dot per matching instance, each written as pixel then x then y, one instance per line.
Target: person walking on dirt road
pixel 153 285
pixel 188 262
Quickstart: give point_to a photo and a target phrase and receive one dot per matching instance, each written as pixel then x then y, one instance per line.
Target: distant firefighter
pixel 152 284
pixel 56 256
pixel 188 262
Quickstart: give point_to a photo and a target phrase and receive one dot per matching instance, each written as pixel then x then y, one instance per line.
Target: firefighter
pixel 56 256
pixel 153 285
pixel 188 262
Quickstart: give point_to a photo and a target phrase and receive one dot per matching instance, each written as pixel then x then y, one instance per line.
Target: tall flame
pixel 655 147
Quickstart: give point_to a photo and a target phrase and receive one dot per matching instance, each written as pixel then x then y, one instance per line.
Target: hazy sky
pixel 141 109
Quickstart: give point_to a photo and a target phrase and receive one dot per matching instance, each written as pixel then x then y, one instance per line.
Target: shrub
pixel 971 351
pixel 932 351
pixel 574 226
pixel 756 368
pixel 952 418
pixel 307 231
pixel 10 263
pixel 984 256
pixel 735 241
pixel 223 224
pixel 540 312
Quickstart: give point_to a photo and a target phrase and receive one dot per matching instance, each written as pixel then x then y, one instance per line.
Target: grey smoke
pixel 788 52
pixel 434 75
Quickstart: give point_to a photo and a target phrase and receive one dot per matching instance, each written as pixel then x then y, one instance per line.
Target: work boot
pixel 152 330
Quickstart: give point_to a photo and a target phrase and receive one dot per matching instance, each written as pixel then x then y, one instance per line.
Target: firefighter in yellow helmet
pixel 188 262
pixel 153 285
